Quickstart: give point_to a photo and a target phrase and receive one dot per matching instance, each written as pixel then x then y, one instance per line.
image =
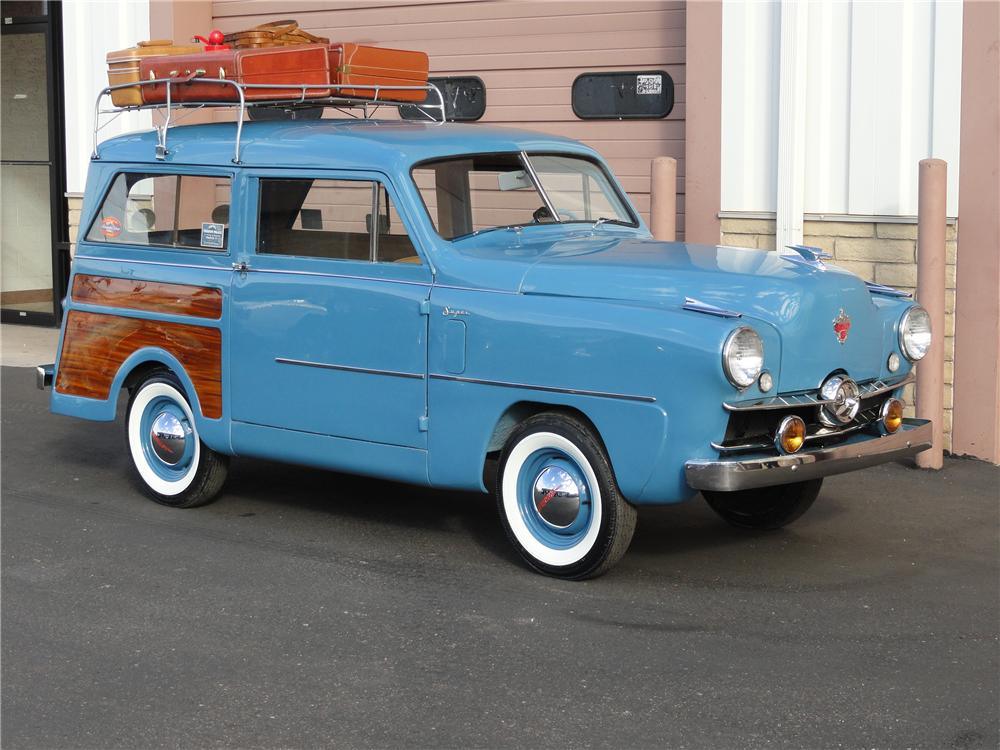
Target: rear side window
pixel 165 210
pixel 331 219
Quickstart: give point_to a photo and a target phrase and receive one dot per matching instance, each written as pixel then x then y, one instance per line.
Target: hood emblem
pixel 842 326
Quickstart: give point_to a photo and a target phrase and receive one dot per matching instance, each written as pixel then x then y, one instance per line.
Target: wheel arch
pixel 141 363
pixel 517 413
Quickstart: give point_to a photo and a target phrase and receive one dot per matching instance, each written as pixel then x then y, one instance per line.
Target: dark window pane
pixel 464 100
pixel 23 9
pixel 614 96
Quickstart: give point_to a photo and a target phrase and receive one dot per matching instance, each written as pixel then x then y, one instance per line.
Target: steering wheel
pixel 541 214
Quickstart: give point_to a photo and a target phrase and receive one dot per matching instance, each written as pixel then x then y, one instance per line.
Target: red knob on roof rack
pixel 215 42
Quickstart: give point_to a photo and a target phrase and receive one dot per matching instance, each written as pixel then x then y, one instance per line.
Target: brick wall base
pixel 882 252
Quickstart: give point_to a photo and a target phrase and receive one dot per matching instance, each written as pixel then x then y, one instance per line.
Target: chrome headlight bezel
pixel 911 349
pixel 742 377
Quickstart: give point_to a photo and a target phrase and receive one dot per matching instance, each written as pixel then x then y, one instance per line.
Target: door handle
pixel 241 266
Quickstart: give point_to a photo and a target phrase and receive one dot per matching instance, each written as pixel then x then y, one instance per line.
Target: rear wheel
pixel 765 508
pixel 558 499
pixel 170 462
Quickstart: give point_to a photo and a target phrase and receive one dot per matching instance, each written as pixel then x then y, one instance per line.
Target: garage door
pixel 528 54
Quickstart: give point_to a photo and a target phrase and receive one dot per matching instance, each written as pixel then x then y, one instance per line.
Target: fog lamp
pixel 892 415
pixel 791 434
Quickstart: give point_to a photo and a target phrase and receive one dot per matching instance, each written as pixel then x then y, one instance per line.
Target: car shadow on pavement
pixel 258 487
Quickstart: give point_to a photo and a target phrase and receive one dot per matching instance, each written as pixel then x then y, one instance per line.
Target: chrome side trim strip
pixel 225 268
pixel 287 272
pixel 791 400
pixel 544 388
pixel 694 305
pixel 250 268
pixel 349 368
pixel 729 475
pixel 887 291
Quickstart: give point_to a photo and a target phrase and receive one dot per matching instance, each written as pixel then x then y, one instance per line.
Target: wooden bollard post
pixel 663 199
pixel 931 211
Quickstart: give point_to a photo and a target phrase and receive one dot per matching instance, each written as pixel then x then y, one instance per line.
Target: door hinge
pixel 425 307
pixel 422 423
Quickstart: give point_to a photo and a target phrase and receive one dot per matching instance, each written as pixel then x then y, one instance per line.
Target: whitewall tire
pixel 558 499
pixel 173 466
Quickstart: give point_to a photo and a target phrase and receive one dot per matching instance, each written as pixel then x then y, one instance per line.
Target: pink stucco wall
pixel 977 307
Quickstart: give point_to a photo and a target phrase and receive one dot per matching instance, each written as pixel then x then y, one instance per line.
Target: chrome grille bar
pixel 809 398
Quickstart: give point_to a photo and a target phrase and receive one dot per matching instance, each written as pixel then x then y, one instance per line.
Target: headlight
pixel 743 357
pixel 915 333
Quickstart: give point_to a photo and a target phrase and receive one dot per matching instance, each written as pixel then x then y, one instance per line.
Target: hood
pixel 800 303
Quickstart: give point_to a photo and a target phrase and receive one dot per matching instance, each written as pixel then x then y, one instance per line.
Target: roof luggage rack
pixel 297 101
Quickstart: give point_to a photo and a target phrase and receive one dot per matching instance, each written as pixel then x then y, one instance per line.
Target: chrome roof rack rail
pixel 298 99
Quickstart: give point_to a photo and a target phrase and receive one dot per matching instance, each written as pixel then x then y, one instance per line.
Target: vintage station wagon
pixel 465 307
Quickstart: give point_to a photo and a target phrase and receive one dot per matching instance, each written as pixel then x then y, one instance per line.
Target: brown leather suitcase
pixel 123 67
pixel 298 64
pixel 378 66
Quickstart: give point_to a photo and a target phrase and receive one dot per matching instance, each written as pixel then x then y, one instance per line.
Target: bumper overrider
pixel 43 376
pixel 858 452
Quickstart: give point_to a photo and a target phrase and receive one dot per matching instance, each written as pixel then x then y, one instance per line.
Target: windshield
pixel 468 195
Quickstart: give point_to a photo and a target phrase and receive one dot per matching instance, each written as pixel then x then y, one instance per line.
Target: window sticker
pixel 648 85
pixel 111 227
pixel 213 235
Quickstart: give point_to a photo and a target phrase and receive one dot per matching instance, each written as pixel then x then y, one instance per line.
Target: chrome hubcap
pixel 168 437
pixel 556 496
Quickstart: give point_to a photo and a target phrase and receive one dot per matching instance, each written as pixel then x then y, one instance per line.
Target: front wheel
pixel 171 463
pixel 558 499
pixel 765 508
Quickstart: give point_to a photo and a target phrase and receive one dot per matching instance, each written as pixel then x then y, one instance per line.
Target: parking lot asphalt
pixel 310 609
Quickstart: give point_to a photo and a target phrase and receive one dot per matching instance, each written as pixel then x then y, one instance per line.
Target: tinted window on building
pixel 464 100
pixel 617 96
pixel 166 210
pixel 331 219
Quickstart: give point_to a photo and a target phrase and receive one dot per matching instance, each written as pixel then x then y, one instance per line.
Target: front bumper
pixel 861 451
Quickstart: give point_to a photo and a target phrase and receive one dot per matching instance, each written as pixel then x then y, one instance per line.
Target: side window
pixel 166 210
pixel 331 219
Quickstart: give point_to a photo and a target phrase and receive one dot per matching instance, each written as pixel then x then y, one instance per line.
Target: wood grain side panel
pixel 151 296
pixel 95 345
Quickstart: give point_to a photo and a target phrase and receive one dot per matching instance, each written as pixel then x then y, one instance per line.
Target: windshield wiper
pixel 606 220
pixel 485 230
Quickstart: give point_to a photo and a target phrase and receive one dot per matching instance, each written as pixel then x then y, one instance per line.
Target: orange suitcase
pixel 302 63
pixel 123 67
pixel 378 66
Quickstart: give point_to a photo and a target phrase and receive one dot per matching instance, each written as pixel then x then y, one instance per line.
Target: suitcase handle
pixel 276 26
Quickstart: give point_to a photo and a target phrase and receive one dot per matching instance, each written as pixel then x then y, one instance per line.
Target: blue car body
pixel 417 372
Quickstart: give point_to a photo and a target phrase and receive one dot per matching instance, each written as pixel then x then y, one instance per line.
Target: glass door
pixel 31 203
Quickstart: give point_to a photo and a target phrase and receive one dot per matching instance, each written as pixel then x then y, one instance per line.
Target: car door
pixel 328 329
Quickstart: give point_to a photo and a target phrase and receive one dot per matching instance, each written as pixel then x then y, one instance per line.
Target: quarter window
pixel 166 210
pixel 331 219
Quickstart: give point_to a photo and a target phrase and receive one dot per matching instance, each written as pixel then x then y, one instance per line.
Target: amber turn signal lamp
pixel 791 434
pixel 892 415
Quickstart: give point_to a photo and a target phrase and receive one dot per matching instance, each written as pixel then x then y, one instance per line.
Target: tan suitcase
pixel 123 67
pixel 378 66
pixel 273 34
